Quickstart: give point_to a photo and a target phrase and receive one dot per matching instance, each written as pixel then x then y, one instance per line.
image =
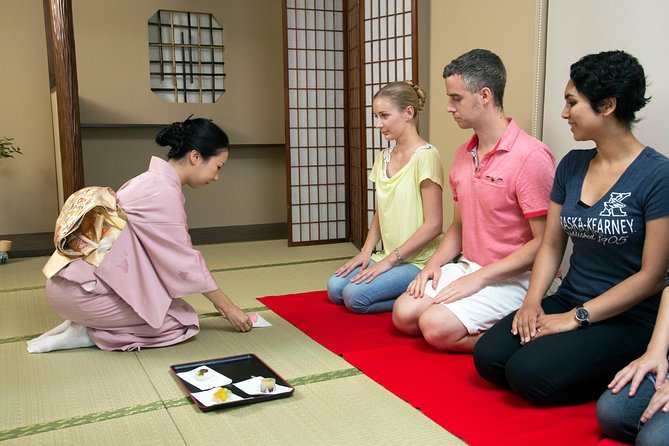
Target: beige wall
pixel 251 188
pixel 112 63
pixel 114 88
pixel 509 29
pixel 28 197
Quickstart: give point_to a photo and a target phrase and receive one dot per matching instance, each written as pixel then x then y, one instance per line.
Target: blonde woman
pixel 408 217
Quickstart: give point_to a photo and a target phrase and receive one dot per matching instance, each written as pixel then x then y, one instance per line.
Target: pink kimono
pixel 132 299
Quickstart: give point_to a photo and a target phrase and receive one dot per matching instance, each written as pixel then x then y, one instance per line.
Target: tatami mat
pixel 348 411
pixel 282 347
pixel 43 388
pixel 87 396
pixel 22 273
pixel 270 252
pixel 144 429
pixel 25 313
pixel 245 285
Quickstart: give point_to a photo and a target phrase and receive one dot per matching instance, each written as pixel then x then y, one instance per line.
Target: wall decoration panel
pixel 186 56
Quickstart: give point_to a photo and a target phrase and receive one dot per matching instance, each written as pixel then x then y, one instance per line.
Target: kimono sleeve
pixel 161 228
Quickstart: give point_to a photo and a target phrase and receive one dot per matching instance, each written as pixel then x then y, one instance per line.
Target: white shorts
pixel 482 310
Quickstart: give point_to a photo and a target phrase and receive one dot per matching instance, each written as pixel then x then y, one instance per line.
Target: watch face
pixel 582 314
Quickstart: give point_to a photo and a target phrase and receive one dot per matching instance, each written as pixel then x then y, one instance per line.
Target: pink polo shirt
pixel 511 185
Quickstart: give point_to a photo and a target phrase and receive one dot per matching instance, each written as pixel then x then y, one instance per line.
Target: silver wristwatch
pixel 582 315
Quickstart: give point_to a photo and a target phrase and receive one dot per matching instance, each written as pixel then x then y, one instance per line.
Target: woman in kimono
pixel 132 298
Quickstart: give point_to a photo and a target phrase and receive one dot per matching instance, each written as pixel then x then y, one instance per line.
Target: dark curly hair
pixel 612 74
pixel 193 134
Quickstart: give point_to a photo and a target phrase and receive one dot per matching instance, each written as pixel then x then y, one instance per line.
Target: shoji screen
pixel 389 55
pixel 316 122
pixel 338 54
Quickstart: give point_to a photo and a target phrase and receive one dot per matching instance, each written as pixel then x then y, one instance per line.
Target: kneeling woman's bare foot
pixel 66 336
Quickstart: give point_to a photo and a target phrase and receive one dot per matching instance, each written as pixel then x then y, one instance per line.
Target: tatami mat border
pixel 274 265
pixel 200 316
pixel 25 288
pixel 65 423
pixel 213 270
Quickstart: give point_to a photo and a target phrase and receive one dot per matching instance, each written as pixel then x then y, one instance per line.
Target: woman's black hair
pixel 193 134
pixel 612 74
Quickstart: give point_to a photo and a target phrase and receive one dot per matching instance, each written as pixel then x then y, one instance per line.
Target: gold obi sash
pixel 86 228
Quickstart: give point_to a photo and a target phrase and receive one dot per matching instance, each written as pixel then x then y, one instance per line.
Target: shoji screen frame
pixel 316 121
pixel 379 41
pixel 317 212
pixel 356 138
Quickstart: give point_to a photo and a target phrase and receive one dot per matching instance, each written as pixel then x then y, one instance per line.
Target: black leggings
pixel 565 368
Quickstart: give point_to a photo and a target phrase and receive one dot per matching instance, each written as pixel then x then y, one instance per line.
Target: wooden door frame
pixel 63 78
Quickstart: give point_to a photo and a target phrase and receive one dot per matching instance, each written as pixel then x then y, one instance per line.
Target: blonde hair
pixel 404 94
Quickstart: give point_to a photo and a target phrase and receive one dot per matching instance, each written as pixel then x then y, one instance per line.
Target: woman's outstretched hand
pixel 237 318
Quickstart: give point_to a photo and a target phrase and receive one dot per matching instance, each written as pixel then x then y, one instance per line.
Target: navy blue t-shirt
pixel 608 235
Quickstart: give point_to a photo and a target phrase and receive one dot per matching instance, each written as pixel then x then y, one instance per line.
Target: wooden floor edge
pixel 41 243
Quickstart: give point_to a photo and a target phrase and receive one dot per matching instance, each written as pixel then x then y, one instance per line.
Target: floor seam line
pixel 214 270
pixel 200 317
pixel 81 420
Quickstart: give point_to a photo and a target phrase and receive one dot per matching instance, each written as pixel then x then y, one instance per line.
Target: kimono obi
pixel 89 223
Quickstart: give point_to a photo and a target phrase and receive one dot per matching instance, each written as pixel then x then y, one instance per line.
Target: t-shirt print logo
pixel 614 207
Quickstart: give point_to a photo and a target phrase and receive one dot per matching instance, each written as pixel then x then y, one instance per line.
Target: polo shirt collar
pixel 505 142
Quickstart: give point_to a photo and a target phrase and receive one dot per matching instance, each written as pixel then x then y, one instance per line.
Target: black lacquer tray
pixel 237 368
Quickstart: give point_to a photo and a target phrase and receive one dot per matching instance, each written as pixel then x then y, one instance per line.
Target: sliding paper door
pixel 337 55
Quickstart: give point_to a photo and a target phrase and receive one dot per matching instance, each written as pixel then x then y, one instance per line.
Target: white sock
pixel 74 336
pixel 56 330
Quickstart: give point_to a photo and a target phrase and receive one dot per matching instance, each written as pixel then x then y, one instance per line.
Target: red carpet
pixel 462 402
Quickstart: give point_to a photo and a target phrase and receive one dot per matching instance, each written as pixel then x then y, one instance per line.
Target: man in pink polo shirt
pixel 501 180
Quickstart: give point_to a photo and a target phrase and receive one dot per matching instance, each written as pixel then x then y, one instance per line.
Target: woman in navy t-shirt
pixel 613 203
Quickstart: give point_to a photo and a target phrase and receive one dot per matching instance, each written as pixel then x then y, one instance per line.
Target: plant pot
pixel 5 247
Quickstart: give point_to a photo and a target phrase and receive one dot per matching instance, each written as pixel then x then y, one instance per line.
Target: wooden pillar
pixel 60 31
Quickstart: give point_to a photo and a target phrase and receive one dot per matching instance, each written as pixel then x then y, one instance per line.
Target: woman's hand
pixel 525 321
pixel 362 260
pixel 371 272
pixel 237 318
pixel 550 324
pixel 659 401
pixel 636 371
pixel 416 288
